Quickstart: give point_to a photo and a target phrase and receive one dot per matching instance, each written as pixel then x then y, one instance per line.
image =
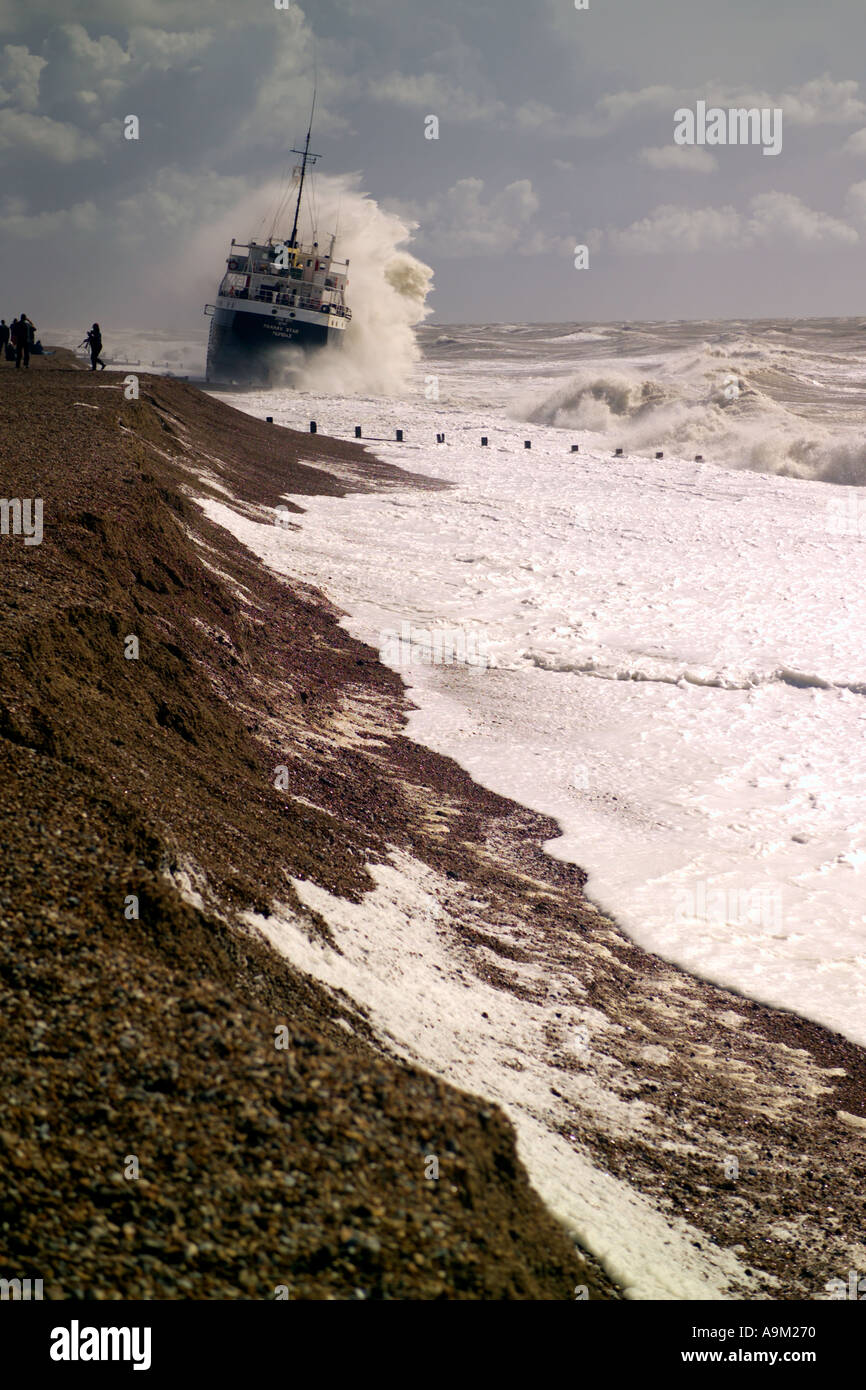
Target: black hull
pixel 251 348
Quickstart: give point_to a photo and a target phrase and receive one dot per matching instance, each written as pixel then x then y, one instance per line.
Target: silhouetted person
pixel 94 343
pixel 4 336
pixel 22 333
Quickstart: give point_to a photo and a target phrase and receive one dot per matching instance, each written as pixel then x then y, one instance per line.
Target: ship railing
pixel 288 301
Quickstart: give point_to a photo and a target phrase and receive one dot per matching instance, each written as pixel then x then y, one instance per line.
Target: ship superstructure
pixel 275 293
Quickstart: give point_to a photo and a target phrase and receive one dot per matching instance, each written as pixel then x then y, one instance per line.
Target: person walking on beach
pixel 23 333
pixel 94 344
pixel 4 338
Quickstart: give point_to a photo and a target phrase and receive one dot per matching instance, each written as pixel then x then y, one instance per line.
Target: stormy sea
pixel 666 623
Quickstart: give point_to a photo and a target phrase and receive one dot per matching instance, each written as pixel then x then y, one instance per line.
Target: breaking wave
pixel 387 293
pixel 744 405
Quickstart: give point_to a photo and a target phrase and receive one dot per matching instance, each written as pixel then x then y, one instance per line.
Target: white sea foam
pixel 399 961
pixel 678 671
pixel 743 403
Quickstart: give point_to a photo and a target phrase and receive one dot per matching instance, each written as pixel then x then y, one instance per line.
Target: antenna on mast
pixel 307 159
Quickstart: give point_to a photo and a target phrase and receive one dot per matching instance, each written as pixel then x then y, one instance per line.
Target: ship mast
pixel 307 159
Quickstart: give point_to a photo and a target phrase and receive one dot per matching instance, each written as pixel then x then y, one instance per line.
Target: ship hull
pixel 247 346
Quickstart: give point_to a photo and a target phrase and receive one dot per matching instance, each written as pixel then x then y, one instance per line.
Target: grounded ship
pixel 274 294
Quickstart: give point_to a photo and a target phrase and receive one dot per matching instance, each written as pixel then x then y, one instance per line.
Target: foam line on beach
pixel 399 958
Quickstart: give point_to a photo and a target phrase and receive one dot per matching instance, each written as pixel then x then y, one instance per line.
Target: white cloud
pixel 823 102
pixel 14 15
pixel 285 87
pixel 468 224
pixel 785 221
pixel 20 71
pixel 164 49
pixel 468 220
pixel 39 135
pixel 435 95
pixel 536 116
pixel 163 255
pixel 671 228
pixel 689 159
pixel 856 143
pixel 103 55
pixel 174 200
pixel 439 95
pixel 619 106
pixel 776 219
pixel 101 61
pixel 855 201
pixel 20 223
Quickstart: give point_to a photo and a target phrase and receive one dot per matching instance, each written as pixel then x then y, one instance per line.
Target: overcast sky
pixel 556 128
